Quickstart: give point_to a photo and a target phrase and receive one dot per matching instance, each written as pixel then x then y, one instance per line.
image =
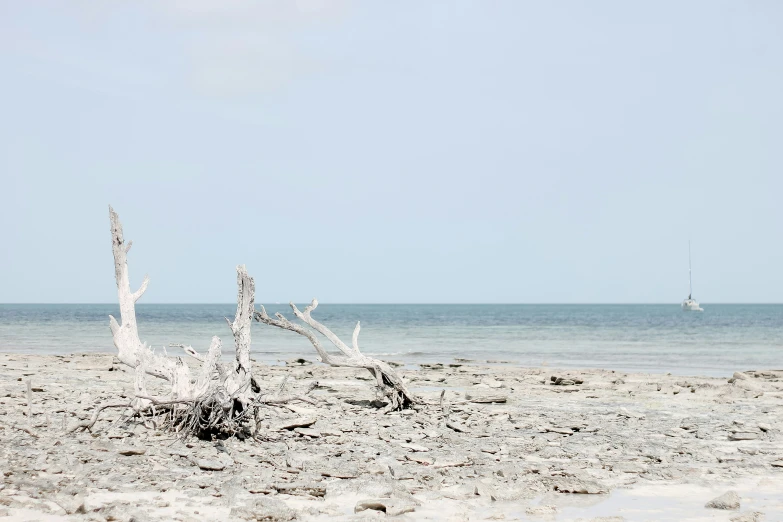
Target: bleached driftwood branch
pixel 216 398
pixel 389 383
pixel 239 382
pixel 130 350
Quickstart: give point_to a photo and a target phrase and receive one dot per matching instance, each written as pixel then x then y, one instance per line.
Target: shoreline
pixel 618 436
pixel 407 365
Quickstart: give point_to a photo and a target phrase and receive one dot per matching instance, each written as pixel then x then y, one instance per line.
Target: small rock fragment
pixel 309 432
pixel 729 500
pixel 485 398
pixel 743 435
pixel 264 508
pixel 629 467
pixel 210 465
pixel 130 450
pixel 484 490
pixel 580 486
pixel 302 422
pixel 391 506
pixel 755 516
pixel 414 447
pixel 70 504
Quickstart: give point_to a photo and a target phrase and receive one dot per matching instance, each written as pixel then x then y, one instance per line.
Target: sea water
pixel 650 338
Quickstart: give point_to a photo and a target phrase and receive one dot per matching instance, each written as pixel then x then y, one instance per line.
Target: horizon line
pixel 422 303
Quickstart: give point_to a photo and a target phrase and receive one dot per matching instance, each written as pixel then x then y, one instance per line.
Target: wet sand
pixel 564 445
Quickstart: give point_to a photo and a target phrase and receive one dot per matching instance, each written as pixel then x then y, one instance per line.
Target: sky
pixel 393 152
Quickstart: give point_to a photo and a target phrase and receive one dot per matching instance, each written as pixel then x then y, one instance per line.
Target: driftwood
pixel 218 399
pixel 389 384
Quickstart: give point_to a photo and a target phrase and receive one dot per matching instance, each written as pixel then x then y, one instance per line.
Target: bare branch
pixel 143 288
pixel 318 327
pixel 126 333
pixel 285 324
pixel 389 383
pixel 238 384
pixel 86 425
pixel 355 338
pixel 188 350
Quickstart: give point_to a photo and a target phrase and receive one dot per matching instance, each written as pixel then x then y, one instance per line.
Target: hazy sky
pixel 411 151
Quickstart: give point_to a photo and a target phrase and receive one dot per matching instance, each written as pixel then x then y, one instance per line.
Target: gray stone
pixel 210 465
pixel 629 467
pixel 71 504
pixel 130 450
pixel 309 432
pixel 729 500
pixel 755 516
pixel 266 509
pixel 391 506
pixel 302 422
pixel 743 435
pixel 580 486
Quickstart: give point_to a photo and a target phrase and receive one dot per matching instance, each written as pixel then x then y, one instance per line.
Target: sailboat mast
pixel 690 279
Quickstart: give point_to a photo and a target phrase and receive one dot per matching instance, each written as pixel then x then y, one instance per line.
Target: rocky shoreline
pixel 494 442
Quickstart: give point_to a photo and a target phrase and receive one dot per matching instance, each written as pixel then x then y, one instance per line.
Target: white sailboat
pixel 690 304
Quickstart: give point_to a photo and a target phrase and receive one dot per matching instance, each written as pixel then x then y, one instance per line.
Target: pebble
pixel 130 450
pixel 210 465
pixel 743 435
pixel 729 500
pixel 302 422
pixel 392 507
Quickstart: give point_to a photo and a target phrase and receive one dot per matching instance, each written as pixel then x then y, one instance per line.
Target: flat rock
pixel 743 435
pixel 71 504
pixel 414 447
pixel 541 510
pixel 630 415
pixel 425 461
pixel 629 467
pixel 729 500
pixel 580 486
pixel 391 506
pixel 131 450
pixel 456 426
pixel 341 473
pixel 302 488
pixel 301 422
pixel 309 432
pixel 210 465
pixel 485 398
pixel 330 432
pixel 484 490
pixel 561 431
pixel 264 508
pixel 755 516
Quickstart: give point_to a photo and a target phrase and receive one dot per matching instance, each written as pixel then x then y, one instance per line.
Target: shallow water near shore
pixel 649 338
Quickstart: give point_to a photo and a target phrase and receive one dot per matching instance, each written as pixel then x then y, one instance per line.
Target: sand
pixel 593 445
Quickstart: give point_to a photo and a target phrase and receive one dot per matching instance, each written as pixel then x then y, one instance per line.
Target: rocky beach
pixel 492 442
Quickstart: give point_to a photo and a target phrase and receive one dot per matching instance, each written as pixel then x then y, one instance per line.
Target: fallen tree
pixel 389 384
pixel 219 399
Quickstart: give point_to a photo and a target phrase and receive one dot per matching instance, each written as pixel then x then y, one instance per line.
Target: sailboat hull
pixel 689 305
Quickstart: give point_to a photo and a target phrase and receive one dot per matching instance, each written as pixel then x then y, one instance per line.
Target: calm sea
pixel 653 338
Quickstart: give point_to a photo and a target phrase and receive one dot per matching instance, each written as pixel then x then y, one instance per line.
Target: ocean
pixel 649 338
